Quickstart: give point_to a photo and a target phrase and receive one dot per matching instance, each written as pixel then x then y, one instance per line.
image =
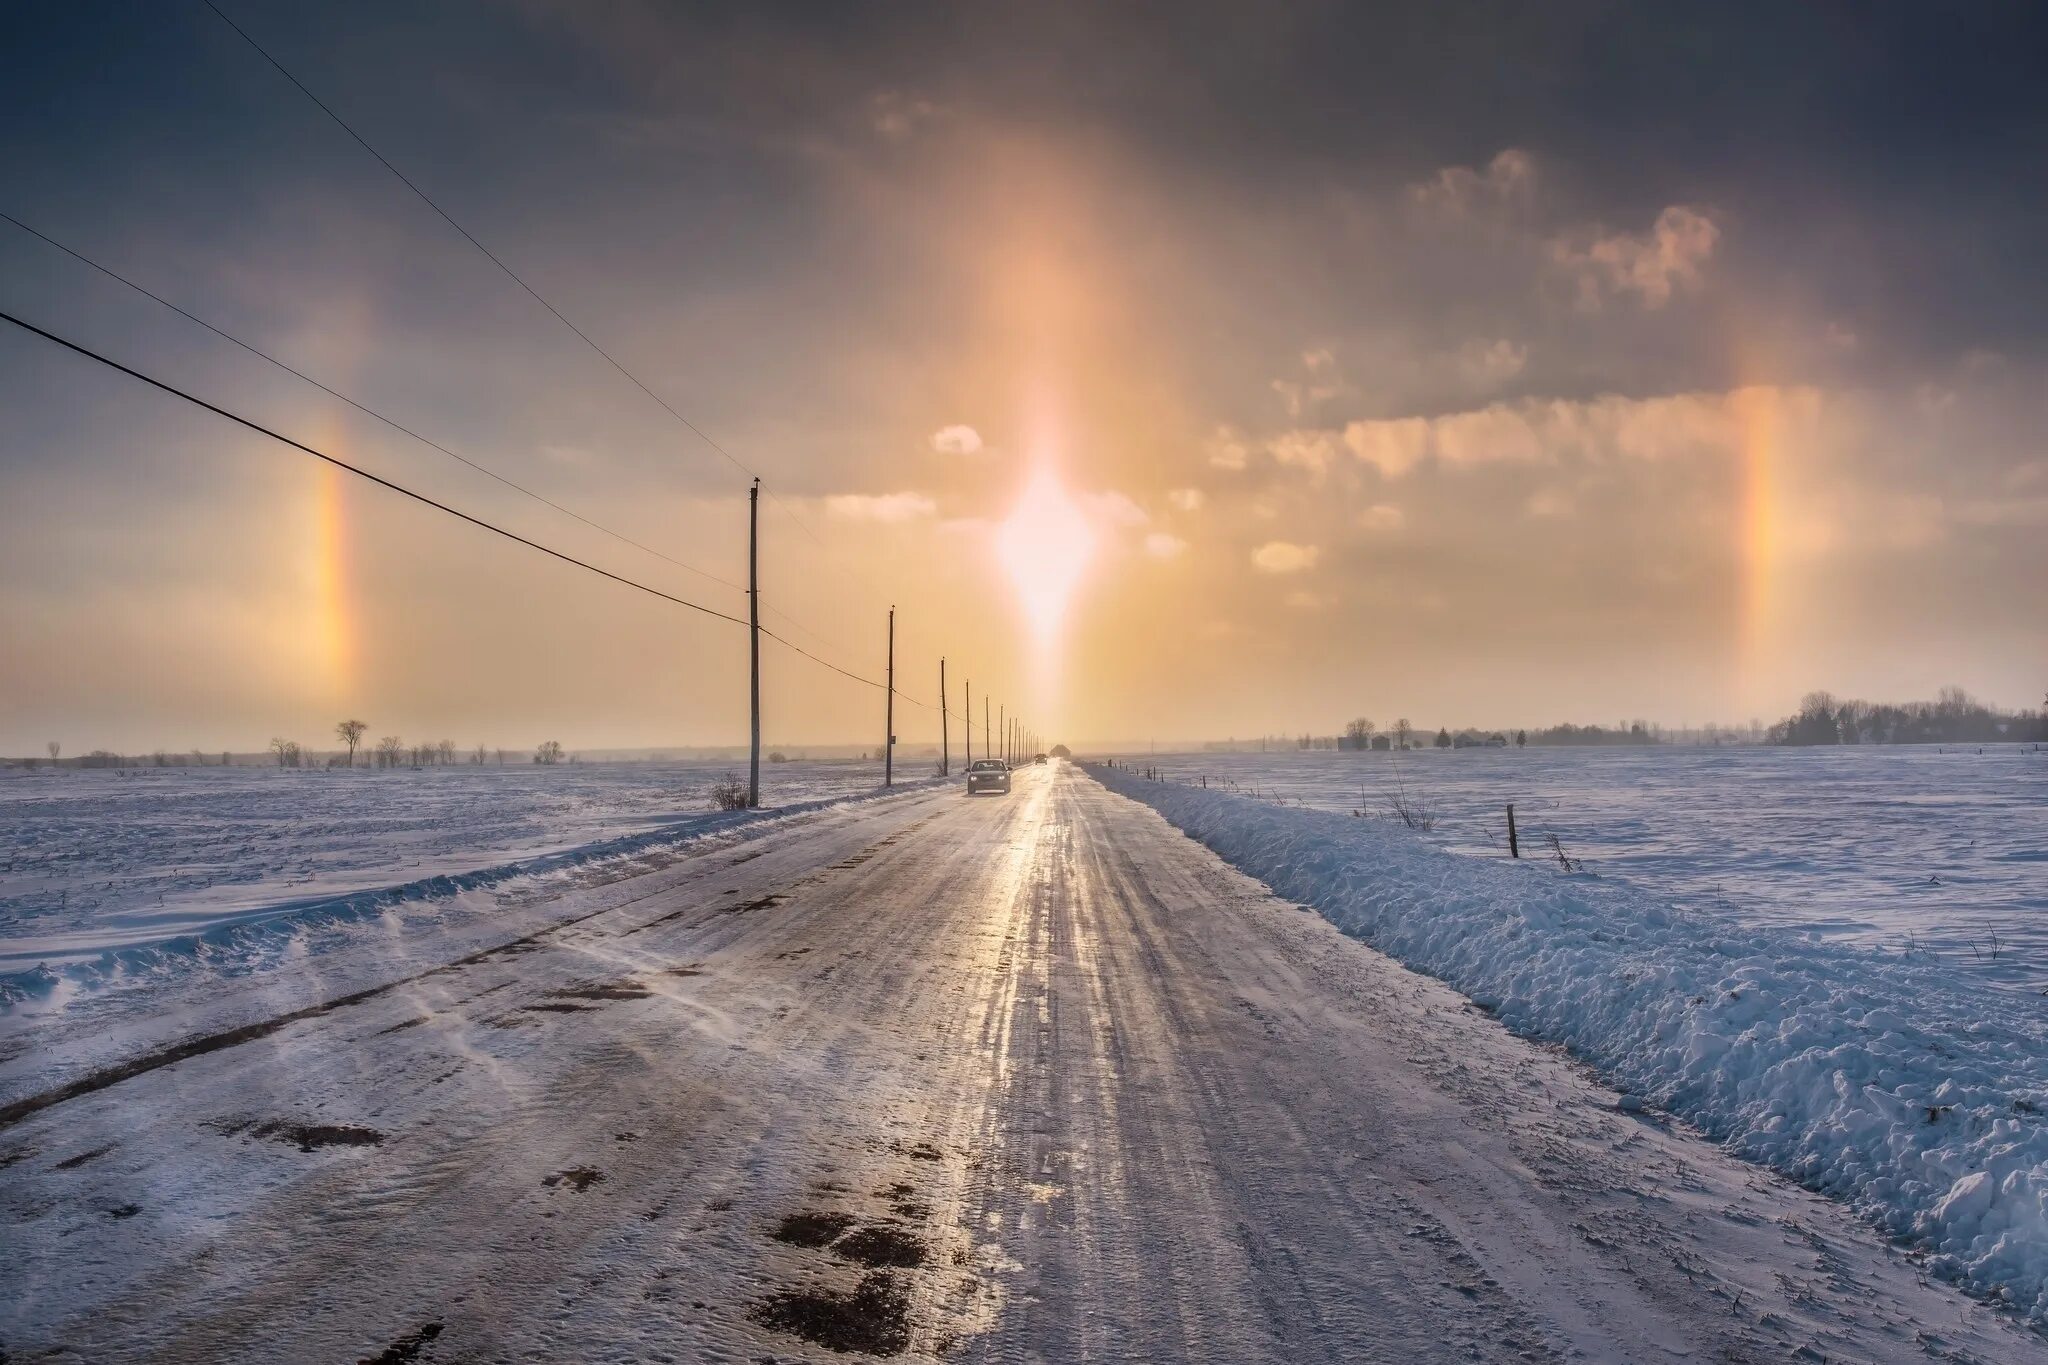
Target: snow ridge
pixel 254 939
pixel 1878 1081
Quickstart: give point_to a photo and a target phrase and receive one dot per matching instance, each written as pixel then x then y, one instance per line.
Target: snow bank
pixel 258 937
pixel 1872 1079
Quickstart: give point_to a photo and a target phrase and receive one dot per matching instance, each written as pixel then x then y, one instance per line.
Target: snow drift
pixel 261 935
pixel 1873 1079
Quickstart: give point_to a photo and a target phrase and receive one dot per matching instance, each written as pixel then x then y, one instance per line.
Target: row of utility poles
pixel 1010 741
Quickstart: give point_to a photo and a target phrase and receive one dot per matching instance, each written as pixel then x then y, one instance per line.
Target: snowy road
pixel 1035 1078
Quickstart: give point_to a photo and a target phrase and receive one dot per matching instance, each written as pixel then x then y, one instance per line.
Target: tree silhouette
pixel 350 732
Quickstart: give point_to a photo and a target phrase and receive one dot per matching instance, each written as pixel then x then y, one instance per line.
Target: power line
pixel 394 424
pixel 479 522
pixel 359 406
pixel 510 273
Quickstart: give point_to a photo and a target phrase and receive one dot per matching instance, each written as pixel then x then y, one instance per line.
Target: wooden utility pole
pixel 945 728
pixel 889 711
pixel 967 726
pixel 754 640
pixel 1003 726
pixel 988 736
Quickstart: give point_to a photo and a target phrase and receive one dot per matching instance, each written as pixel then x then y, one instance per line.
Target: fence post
pixel 1514 844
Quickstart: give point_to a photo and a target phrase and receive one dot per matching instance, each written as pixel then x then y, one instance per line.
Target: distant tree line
pixel 1363 734
pixel 1953 717
pixel 389 752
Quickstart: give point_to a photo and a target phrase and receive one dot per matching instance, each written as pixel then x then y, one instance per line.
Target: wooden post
pixel 945 727
pixel 889 711
pixel 754 641
pixel 1003 725
pixel 967 726
pixel 1514 844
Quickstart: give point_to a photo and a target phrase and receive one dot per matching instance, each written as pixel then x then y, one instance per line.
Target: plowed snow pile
pixel 1879 1081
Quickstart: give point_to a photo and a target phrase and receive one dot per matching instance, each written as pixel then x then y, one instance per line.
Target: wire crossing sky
pixel 1234 377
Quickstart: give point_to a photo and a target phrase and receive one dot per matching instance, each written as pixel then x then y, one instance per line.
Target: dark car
pixel 988 775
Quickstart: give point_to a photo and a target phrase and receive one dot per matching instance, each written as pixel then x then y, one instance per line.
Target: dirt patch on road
pixel 874 1318
pixel 882 1245
pixel 407 1348
pixel 577 1178
pixel 812 1228
pixel 312 1136
pixel 602 990
pixel 72 1163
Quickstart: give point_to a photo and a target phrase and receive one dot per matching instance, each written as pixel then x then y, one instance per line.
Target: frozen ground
pixel 136 910
pixel 995 1080
pixel 99 863
pixel 1913 850
pixel 1914 1094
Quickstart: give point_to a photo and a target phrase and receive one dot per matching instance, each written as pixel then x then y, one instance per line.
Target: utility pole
pixel 945 728
pixel 1003 725
pixel 968 726
pixel 889 713
pixel 988 736
pixel 754 640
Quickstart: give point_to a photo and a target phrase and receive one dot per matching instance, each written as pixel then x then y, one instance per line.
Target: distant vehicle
pixel 988 775
pixel 1039 759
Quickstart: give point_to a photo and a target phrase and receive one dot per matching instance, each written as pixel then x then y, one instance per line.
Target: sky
pixel 1175 372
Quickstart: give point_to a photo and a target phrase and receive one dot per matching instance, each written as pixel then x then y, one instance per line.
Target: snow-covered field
pixel 1915 850
pixel 1895 1082
pixel 129 902
pixel 100 862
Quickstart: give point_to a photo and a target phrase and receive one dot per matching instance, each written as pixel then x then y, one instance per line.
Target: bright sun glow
pixel 1045 545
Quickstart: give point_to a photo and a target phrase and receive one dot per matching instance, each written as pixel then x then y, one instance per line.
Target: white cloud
pixel 1392 447
pixel 1323 383
pixel 1460 192
pixel 1314 451
pixel 958 439
pixel 1382 516
pixel 1227 449
pixel 1281 556
pixel 1653 265
pixel 1184 499
pixel 1113 507
pixel 1160 545
pixel 884 507
pixel 1485 364
pixel 1493 434
pixel 1553 430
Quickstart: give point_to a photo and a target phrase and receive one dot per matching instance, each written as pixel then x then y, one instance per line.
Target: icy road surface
pixel 1000 1079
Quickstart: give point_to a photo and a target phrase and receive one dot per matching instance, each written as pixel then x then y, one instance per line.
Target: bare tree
pixel 479 755
pixel 389 750
pixel 501 757
pixel 1358 732
pixel 446 750
pixel 56 750
pixel 350 732
pixel 549 753
pixel 1402 729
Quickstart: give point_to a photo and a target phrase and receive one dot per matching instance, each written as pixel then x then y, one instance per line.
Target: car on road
pixel 988 775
